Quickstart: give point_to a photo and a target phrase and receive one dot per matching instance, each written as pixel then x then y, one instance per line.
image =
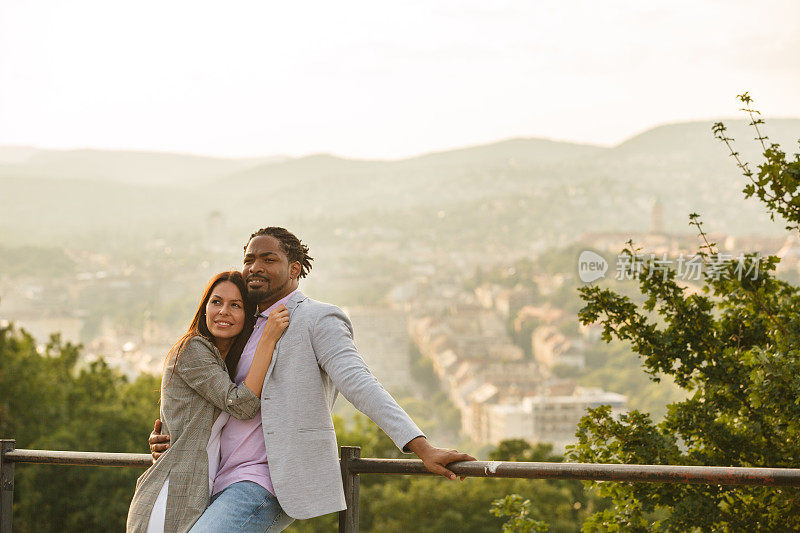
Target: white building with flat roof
pixel 509 422
pixel 543 418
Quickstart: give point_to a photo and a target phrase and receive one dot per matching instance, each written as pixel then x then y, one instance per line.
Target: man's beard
pixel 264 292
pixel 258 295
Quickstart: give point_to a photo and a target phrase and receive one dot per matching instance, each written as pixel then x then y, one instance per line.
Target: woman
pixel 196 388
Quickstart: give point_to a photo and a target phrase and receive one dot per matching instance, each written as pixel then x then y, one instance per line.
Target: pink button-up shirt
pixel 243 454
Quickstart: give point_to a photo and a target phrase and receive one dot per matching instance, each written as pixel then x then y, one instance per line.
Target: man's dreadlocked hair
pixel 292 247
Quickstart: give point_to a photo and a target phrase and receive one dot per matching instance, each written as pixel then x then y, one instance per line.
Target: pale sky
pixel 382 79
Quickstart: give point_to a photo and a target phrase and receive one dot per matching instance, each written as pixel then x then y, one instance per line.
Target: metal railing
pixel 353 465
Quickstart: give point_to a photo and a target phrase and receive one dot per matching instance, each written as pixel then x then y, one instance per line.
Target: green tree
pixel 734 349
pixel 522 450
pixel 432 505
pixel 518 512
pixel 52 400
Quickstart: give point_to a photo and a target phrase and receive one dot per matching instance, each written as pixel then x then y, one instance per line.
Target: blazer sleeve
pixel 332 341
pixel 199 367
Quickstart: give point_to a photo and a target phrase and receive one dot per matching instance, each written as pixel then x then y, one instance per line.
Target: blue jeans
pixel 245 507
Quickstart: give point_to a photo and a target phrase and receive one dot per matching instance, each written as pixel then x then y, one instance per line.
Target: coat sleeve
pixel 199 367
pixel 332 341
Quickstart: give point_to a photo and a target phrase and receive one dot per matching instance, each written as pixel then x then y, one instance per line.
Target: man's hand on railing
pixel 158 442
pixel 436 459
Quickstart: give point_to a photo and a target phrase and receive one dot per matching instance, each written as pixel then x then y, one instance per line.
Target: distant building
pixel 475 418
pixel 675 244
pixel 545 314
pixel 509 422
pixel 551 347
pixel 509 300
pixel 541 418
pixel 657 217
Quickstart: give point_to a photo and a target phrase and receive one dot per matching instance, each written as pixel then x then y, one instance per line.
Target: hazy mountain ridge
pixel 346 186
pixel 690 139
pixel 560 188
pixel 696 137
pixel 16 154
pixel 132 167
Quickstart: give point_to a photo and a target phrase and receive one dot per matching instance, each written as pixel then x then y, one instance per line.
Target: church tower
pixel 657 217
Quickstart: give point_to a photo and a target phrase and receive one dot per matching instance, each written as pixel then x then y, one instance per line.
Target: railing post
pixel 6 485
pixel 348 519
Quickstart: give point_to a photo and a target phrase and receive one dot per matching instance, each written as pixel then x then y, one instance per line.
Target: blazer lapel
pixel 291 304
pixel 295 299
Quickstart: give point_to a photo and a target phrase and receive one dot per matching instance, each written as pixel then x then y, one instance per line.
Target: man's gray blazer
pixel 315 359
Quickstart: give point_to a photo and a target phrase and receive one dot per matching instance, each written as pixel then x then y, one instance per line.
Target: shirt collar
pixel 265 313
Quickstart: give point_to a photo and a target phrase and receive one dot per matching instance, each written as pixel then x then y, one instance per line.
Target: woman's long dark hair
pixel 198 325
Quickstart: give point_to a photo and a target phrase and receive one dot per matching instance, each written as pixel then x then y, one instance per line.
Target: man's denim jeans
pixel 245 507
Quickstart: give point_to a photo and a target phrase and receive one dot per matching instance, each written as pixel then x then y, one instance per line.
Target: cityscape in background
pixel 567 236
pixel 477 315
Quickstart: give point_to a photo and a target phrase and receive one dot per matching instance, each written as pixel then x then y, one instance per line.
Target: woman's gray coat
pixel 192 397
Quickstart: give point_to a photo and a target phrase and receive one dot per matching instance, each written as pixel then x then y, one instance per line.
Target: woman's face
pixel 225 311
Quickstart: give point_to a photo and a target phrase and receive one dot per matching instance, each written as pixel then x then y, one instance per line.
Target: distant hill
pixel 38 210
pixel 508 153
pixel 517 151
pixel 143 168
pixel 517 190
pixel 329 184
pixel 694 140
pixel 16 154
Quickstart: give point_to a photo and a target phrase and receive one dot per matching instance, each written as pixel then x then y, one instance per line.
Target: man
pixel 314 360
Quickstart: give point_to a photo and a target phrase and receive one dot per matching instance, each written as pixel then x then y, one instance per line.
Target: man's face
pixel 266 269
